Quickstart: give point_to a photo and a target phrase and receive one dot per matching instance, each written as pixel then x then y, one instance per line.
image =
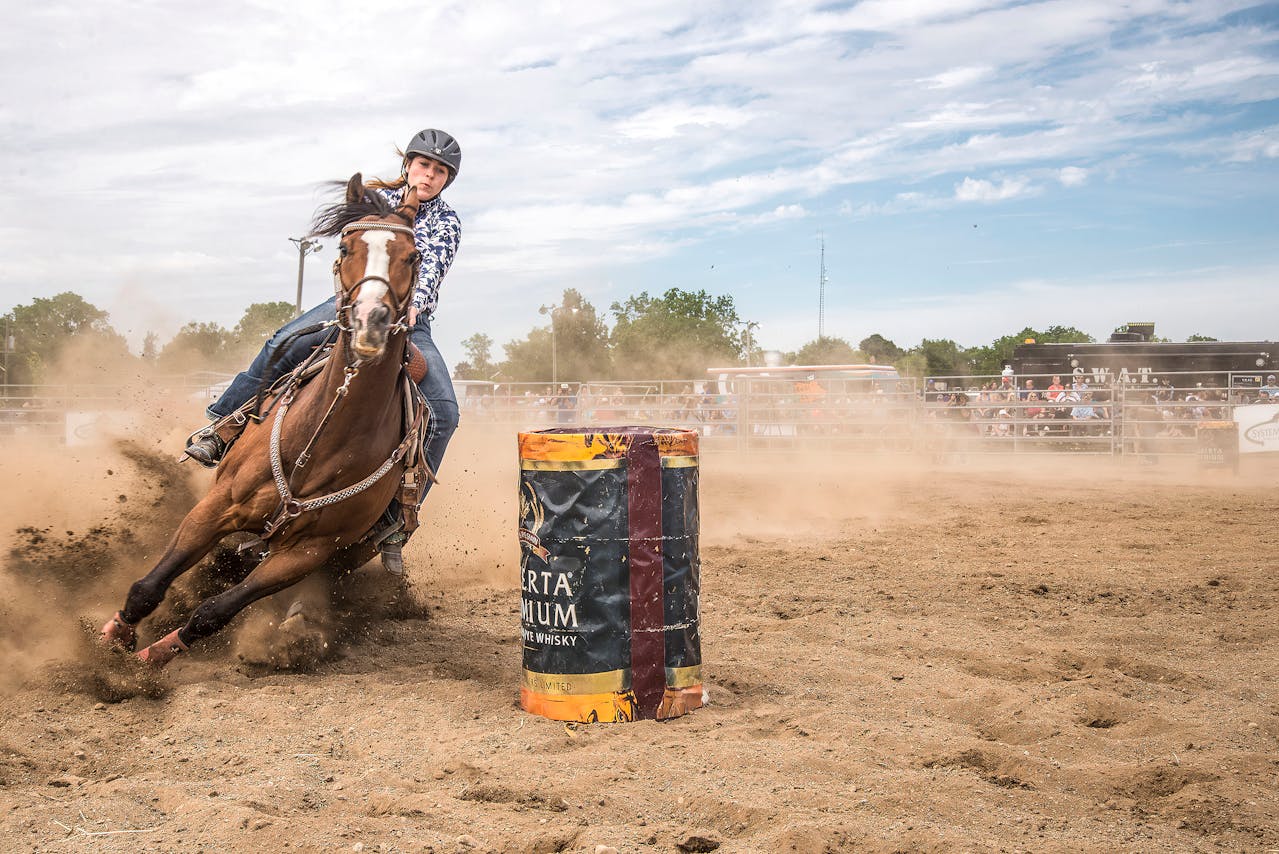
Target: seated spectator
pixel 1194 406
pixel 1269 391
pixel 1003 424
pixel 1084 409
pixel 1027 389
pixel 1055 389
pixel 1172 424
pixel 982 410
pixel 1032 411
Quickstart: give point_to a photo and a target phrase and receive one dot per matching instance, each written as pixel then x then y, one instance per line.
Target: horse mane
pixel 331 219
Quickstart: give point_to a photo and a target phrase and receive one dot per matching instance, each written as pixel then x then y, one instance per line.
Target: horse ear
pixel 411 201
pixel 355 189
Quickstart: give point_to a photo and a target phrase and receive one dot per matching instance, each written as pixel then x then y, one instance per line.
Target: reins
pixel 290 506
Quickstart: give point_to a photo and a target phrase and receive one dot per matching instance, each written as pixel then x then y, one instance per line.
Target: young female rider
pixel 431 162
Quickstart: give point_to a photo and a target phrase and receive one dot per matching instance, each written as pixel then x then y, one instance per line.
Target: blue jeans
pixel 436 386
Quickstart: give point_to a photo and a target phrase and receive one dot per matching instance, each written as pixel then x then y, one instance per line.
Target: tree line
pixel 65 332
pixel 679 334
pixel 675 335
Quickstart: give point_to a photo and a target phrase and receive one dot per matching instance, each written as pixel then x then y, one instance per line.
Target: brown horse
pixel 344 434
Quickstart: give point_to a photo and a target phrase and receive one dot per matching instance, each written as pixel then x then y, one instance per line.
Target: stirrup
pixel 391 527
pixel 392 549
pixel 207 450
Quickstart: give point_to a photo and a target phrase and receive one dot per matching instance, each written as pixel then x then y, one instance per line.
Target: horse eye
pixel 342 250
pixel 414 258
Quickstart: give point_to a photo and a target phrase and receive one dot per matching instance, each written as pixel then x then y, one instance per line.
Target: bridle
pixel 343 291
pixel 291 506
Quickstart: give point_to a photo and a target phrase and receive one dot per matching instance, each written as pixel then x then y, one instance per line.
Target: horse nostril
pixel 379 315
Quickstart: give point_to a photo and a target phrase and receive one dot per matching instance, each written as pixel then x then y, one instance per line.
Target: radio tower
pixel 821 291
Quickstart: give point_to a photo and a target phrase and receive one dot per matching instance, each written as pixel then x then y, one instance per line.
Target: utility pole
pixel 8 348
pixel 553 310
pixel 305 247
pixel 821 292
pixel 750 340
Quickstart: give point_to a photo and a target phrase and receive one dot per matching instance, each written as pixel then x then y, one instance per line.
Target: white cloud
pixel 597 137
pixel 953 78
pixel 1263 144
pixel 1072 176
pixel 777 214
pixel 673 120
pixel 980 190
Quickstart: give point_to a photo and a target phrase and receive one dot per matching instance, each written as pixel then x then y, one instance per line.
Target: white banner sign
pixel 1258 427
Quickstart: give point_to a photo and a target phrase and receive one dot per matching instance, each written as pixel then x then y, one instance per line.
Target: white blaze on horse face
pixel 377 264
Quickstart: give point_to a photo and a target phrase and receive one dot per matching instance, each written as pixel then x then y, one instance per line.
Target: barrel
pixel 609 573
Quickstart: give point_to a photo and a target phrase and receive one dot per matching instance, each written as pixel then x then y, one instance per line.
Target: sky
pixel 971 167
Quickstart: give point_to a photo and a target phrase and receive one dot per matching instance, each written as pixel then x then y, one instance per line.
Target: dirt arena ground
pixel 1014 655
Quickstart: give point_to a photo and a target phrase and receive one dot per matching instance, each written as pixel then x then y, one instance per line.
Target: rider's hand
pixel 412 316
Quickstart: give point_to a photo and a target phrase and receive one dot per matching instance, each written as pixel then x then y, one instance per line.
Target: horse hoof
pixel 164 650
pixel 117 632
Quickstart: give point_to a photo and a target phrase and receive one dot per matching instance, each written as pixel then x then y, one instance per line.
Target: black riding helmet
pixel 438 146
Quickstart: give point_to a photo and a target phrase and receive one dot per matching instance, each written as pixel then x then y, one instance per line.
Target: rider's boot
pixel 392 549
pixel 117 632
pixel 389 538
pixel 164 650
pixel 208 449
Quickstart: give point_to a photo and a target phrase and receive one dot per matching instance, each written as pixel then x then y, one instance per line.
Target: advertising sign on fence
pixel 1258 427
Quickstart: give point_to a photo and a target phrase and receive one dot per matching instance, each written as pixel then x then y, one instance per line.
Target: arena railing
pixel 968 414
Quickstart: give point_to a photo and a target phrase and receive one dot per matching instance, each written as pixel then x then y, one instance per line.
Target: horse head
pixel 376 268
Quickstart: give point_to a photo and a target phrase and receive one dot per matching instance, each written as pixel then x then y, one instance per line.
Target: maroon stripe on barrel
pixel 644 510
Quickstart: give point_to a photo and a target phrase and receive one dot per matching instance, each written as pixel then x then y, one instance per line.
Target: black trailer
pixel 1129 358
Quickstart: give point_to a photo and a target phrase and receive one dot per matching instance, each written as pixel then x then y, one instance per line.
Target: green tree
pixel 679 334
pixel 45 329
pixel 991 358
pixel 479 359
pixel 150 348
pixel 578 336
pixel 941 358
pixel 880 349
pixel 912 364
pixel 259 322
pixel 529 358
pixel 198 347
pixel 1197 337
pixel 1064 335
pixel 828 351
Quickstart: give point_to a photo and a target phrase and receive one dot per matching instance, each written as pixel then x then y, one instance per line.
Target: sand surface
pixel 994 655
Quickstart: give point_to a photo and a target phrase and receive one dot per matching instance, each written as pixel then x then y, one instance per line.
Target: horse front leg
pixel 196 535
pixel 278 571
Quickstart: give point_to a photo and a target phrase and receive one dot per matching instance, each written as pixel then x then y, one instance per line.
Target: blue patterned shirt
pixel 437 233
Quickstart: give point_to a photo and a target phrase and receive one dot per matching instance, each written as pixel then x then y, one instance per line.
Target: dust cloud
pixel 81 522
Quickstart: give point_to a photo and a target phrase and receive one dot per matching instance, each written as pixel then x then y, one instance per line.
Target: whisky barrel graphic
pixel 609 573
pixel 1217 444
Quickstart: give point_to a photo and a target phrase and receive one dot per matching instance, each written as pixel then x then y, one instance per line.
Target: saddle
pixel 416 471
